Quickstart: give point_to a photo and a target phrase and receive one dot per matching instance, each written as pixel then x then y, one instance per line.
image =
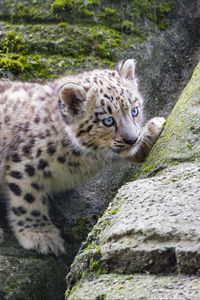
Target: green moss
pixel 128 27
pixel 83 275
pixel 91 255
pixel 106 222
pixel 91 3
pixel 22 10
pixel 94 34
pixel 63 5
pixel 71 292
pixel 109 15
pixel 173 145
pixel 148 169
pixel 93 247
pixel 50 57
pixel 13 62
pixel 129 277
pixel 13 43
pixel 94 265
pixel 109 11
pixel 67 293
pixel 114 211
pixel 87 13
pixel 93 252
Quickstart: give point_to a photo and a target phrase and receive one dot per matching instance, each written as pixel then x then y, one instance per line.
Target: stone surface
pixel 170 57
pixel 180 139
pixel 139 287
pixel 158 220
pixel 153 224
pixel 25 276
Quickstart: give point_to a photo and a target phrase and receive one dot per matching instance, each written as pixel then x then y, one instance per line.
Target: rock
pixel 26 276
pixel 137 287
pixel 153 224
pixel 156 230
pixel 168 56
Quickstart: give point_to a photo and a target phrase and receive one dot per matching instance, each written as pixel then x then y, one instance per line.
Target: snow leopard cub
pixel 54 136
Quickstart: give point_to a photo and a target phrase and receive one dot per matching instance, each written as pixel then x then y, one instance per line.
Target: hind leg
pixel 29 217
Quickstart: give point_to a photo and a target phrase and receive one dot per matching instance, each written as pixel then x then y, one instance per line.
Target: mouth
pixel 124 150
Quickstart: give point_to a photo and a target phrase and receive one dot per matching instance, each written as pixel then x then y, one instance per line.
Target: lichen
pixel 148 169
pixel 62 5
pixel 114 211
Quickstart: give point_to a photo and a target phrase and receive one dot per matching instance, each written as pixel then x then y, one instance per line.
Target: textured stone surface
pixel 23 276
pixel 158 221
pixel 139 287
pixel 169 57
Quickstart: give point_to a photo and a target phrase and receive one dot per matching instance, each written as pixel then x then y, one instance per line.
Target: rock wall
pixel 152 226
pixel 43 39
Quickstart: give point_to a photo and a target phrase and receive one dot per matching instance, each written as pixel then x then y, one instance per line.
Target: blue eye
pixel 135 112
pixel 108 121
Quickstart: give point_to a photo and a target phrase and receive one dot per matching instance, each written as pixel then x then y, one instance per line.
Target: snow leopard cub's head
pixel 104 109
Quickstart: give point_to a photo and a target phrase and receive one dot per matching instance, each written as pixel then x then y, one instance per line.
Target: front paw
pixel 155 126
pixel 44 240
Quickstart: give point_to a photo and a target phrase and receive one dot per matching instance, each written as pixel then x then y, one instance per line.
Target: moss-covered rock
pixel 74 34
pixel 179 141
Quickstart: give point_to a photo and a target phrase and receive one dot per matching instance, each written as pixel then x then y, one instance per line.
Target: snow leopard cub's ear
pixel 126 69
pixel 72 97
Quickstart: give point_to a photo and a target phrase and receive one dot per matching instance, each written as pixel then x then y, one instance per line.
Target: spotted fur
pixel 54 136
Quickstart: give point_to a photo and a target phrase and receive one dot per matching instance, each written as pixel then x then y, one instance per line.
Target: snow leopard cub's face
pixel 105 109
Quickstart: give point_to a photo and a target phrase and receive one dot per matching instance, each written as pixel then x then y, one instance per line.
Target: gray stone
pixel 157 227
pixel 138 287
pixel 27 276
pixel 169 57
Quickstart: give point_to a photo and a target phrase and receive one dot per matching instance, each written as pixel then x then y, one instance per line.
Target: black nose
pixel 130 141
